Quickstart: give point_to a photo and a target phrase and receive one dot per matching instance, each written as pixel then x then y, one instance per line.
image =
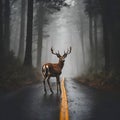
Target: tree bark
pixel 96 43
pixel 40 35
pixel 1 28
pixel 22 31
pixel 28 51
pixel 91 39
pixel 106 41
pixel 82 41
pixel 6 27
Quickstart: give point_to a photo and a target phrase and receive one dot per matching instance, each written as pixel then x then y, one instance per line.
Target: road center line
pixel 64 114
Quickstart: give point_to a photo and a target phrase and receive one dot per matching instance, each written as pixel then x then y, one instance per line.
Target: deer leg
pixel 58 84
pixel 44 86
pixel 49 84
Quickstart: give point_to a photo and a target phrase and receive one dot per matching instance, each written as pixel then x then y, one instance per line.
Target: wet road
pixel 30 103
pixel 86 103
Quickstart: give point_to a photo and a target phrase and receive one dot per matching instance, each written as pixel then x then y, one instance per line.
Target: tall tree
pixel 6 27
pixel 91 38
pixel 22 30
pixel 28 50
pixel 40 34
pixel 93 9
pixel 89 12
pixel 82 40
pixel 106 41
pixel 1 28
pixel 96 43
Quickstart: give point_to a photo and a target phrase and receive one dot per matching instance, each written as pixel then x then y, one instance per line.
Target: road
pixel 84 103
pixel 30 103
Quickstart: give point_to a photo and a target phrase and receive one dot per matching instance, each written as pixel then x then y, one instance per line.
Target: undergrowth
pixel 102 80
pixel 14 75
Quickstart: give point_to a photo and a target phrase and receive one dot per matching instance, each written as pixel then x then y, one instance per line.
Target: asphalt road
pixel 84 103
pixel 30 103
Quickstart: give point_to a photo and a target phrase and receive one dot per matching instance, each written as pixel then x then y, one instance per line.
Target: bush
pixel 102 80
pixel 14 75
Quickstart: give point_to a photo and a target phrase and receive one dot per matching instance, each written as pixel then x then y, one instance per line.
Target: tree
pixel 106 41
pixel 22 31
pixel 89 12
pixel 6 34
pixel 1 28
pixel 96 13
pixel 28 50
pixel 96 43
pixel 82 40
pixel 93 10
pixel 40 34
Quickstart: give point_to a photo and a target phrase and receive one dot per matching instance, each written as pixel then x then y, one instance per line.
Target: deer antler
pixel 68 52
pixel 55 53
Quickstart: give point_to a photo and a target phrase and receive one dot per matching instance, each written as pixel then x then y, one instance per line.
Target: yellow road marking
pixel 64 114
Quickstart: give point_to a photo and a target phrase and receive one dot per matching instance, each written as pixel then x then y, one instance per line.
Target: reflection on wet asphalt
pixel 86 103
pixel 30 104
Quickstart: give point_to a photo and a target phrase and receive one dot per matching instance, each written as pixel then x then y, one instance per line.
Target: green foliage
pixel 14 75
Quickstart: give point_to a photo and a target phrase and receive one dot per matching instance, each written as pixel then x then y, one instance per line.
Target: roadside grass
pixel 14 75
pixel 102 80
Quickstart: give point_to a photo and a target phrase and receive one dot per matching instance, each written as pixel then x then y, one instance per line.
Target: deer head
pixel 61 57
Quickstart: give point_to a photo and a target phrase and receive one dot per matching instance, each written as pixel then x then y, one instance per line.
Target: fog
pixel 63 29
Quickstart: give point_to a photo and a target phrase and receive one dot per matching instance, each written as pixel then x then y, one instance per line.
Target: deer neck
pixel 61 64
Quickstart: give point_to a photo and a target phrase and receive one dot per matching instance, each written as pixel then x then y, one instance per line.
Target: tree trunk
pixel 106 45
pixel 7 27
pixel 96 43
pixel 40 35
pixel 82 41
pixel 106 41
pixel 22 31
pixel 28 51
pixel 1 29
pixel 91 40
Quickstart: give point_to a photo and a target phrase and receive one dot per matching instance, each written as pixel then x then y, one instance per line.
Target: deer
pixel 54 69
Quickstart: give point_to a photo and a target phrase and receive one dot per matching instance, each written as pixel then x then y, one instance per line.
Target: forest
pixel 23 37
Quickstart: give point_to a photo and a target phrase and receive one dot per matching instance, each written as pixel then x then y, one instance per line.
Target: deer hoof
pixel 45 91
pixel 60 91
pixel 52 92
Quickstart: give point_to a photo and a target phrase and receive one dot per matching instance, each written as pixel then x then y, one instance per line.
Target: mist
pixel 60 30
pixel 64 30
